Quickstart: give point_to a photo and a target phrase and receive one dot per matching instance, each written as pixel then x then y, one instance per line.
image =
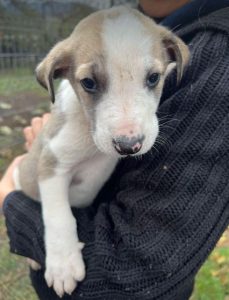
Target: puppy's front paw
pixel 65 269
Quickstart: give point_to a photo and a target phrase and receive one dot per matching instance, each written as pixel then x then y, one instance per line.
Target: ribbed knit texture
pixel 158 217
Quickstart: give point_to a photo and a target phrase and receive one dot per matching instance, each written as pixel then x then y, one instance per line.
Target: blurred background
pixel 28 29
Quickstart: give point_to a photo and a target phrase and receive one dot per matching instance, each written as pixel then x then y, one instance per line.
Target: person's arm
pixel 158 218
pixel 6 182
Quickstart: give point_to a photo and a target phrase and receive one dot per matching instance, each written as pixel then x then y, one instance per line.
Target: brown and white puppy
pixel 115 63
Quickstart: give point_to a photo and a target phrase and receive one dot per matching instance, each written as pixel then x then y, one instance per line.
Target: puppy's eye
pixel 152 80
pixel 89 85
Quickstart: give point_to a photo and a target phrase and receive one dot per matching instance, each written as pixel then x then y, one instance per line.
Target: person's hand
pixel 6 183
pixel 30 133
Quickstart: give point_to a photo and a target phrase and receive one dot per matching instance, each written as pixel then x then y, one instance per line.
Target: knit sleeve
pixel 158 218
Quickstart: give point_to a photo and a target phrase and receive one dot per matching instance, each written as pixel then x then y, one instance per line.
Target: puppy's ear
pixel 177 51
pixel 55 65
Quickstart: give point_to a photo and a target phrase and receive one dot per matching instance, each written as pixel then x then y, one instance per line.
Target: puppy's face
pixel 117 61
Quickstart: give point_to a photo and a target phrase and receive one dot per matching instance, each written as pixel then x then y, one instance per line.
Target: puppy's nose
pixel 128 145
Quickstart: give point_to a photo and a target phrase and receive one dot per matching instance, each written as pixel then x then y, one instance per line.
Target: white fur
pixel 66 100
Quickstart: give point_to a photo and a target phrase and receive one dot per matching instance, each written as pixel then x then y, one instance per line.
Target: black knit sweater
pixel 158 218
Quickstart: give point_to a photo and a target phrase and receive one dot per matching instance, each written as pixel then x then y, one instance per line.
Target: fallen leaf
pixel 221 259
pixel 214 273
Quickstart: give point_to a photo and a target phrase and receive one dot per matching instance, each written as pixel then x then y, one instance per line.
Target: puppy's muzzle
pixel 128 145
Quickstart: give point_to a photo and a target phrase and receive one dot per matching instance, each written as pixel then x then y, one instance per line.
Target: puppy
pixel 114 65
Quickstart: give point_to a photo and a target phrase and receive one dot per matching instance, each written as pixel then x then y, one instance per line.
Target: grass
pixel 212 282
pixel 19 81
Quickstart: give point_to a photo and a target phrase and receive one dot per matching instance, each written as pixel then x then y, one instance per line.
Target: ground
pixel 20 99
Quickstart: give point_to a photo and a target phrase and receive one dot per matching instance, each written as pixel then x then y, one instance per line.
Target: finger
pixel 27 146
pixel 28 134
pixel 36 124
pixel 45 118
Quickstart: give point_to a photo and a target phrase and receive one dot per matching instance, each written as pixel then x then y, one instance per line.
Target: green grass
pixel 19 81
pixel 212 282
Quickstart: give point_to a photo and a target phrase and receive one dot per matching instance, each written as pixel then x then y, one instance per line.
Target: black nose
pixel 128 145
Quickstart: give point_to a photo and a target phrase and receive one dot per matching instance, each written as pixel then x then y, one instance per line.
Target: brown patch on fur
pixel 76 181
pixel 177 51
pixel 55 65
pixel 151 28
pixel 28 170
pixel 65 55
pixel 36 165
pixel 47 164
pixel 168 47
pixel 96 71
pixel 83 46
pixel 54 124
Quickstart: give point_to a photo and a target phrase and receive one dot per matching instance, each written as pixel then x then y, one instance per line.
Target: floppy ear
pixel 177 51
pixel 55 65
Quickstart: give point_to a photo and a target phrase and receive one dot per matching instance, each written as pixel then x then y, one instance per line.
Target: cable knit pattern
pixel 158 218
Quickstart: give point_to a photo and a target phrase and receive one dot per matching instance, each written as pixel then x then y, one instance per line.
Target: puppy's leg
pixel 64 261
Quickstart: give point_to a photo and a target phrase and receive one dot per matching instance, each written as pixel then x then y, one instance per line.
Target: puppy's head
pixel 116 61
